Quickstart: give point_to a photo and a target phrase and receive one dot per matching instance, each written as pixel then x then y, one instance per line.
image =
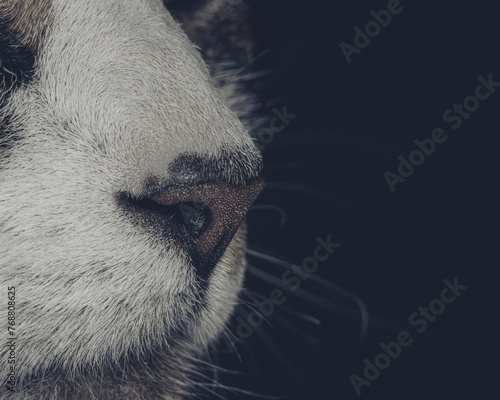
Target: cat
pixel 126 170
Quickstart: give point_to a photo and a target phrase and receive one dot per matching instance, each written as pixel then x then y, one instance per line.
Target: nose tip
pixel 215 214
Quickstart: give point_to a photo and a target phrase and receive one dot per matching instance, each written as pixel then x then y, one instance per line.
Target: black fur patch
pixel 227 167
pixel 17 68
pixel 180 8
pixel 222 32
pixel 16 61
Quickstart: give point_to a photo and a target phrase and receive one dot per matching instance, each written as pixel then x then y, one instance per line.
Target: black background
pixel 353 121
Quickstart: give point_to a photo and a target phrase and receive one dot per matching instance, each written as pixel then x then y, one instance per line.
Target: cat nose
pixel 199 205
pixel 211 212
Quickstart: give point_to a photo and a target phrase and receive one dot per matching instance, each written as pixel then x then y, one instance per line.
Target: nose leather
pixel 227 205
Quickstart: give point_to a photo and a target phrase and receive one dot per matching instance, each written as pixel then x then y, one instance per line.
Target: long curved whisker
pixel 325 284
pixel 291 311
pixel 328 305
pixel 292 328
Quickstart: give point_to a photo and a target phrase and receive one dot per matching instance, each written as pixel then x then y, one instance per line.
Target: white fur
pixel 120 93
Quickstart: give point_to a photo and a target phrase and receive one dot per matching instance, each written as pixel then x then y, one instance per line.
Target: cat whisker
pixel 254 310
pixel 292 328
pixel 285 362
pixel 291 311
pixel 231 338
pixel 375 321
pixel 322 284
pixel 259 74
pixel 314 299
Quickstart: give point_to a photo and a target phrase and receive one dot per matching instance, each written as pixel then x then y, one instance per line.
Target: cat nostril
pixel 196 217
pixel 187 218
pixel 211 212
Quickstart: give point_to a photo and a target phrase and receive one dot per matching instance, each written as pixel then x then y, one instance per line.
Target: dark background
pixel 325 170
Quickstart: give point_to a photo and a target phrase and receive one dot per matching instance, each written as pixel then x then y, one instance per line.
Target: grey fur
pixel 103 309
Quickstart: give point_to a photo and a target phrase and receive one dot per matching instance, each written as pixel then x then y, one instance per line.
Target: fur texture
pixel 106 308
